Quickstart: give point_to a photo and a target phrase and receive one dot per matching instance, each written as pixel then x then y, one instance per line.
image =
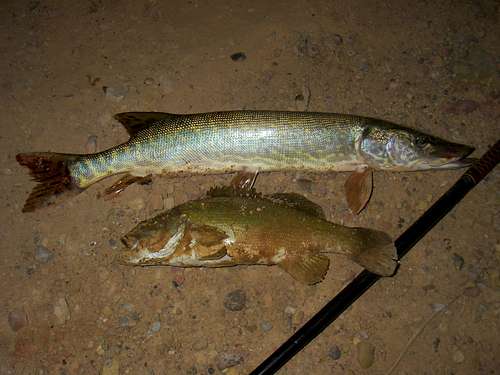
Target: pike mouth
pixel 457 164
pixel 456 157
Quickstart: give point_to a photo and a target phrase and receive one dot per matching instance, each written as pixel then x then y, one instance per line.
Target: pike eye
pixel 421 141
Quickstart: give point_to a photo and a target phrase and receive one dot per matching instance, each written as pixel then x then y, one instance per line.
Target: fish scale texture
pixel 230 141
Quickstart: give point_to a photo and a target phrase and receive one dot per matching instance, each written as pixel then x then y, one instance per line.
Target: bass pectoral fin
pixel 358 190
pixel 308 268
pixel 114 190
pixel 207 241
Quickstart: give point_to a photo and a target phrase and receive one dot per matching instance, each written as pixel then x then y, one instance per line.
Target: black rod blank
pixel 363 281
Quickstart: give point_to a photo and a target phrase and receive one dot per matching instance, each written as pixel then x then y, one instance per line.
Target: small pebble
pixel 266 326
pixel 337 39
pixel 17 319
pixel 42 254
pixel 91 144
pixel 149 81
pixel 61 311
pixel 458 261
pixel 238 56
pixel 437 307
pixel 235 300
pixel 113 243
pixel 435 344
pixel 111 367
pixel 334 352
pixel 100 350
pixel 130 318
pixel 155 327
pixel 226 360
pixel 178 280
pixel 472 291
pixel 458 357
pixel 115 93
pixel 365 354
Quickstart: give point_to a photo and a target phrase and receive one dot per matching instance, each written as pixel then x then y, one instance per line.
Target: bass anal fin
pixel 306 268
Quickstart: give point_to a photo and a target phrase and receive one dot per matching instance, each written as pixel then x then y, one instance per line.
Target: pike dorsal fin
pixel 306 268
pixel 134 122
pixel 297 201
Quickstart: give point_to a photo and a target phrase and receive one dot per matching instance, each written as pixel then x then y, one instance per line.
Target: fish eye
pixel 421 141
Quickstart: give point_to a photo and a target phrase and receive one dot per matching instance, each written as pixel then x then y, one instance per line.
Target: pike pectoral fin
pixel 243 180
pixel 307 268
pixel 124 182
pixel 358 190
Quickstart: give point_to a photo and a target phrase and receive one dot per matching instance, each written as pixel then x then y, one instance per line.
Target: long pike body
pixel 218 142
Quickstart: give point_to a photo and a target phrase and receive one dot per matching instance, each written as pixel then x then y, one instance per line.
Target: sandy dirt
pixel 68 66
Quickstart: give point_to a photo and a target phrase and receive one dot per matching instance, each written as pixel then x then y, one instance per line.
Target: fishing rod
pixel 361 283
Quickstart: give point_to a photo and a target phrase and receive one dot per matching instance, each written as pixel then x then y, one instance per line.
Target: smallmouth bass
pixel 233 141
pixel 228 228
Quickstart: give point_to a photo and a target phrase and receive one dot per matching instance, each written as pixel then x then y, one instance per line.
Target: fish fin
pixel 134 122
pixel 298 202
pixel 51 171
pixel 207 241
pixel 358 190
pixel 229 192
pixel 377 252
pixel 114 190
pixel 244 180
pixel 306 268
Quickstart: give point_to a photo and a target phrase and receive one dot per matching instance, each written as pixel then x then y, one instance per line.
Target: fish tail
pixel 376 252
pixel 52 172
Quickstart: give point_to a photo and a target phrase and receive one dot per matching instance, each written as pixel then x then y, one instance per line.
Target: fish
pixel 230 227
pixel 243 141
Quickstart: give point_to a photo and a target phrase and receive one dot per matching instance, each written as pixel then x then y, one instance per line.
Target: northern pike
pixel 222 142
pixel 228 228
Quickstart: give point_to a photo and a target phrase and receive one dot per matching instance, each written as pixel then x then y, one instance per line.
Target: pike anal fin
pixel 114 190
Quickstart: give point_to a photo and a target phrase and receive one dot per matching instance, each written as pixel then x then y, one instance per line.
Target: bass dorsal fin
pixel 230 192
pixel 134 122
pixel 298 202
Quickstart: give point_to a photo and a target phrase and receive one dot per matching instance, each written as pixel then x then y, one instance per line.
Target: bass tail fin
pixel 377 252
pixel 52 172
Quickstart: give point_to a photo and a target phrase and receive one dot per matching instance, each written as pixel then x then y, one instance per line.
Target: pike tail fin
pixel 377 252
pixel 52 172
